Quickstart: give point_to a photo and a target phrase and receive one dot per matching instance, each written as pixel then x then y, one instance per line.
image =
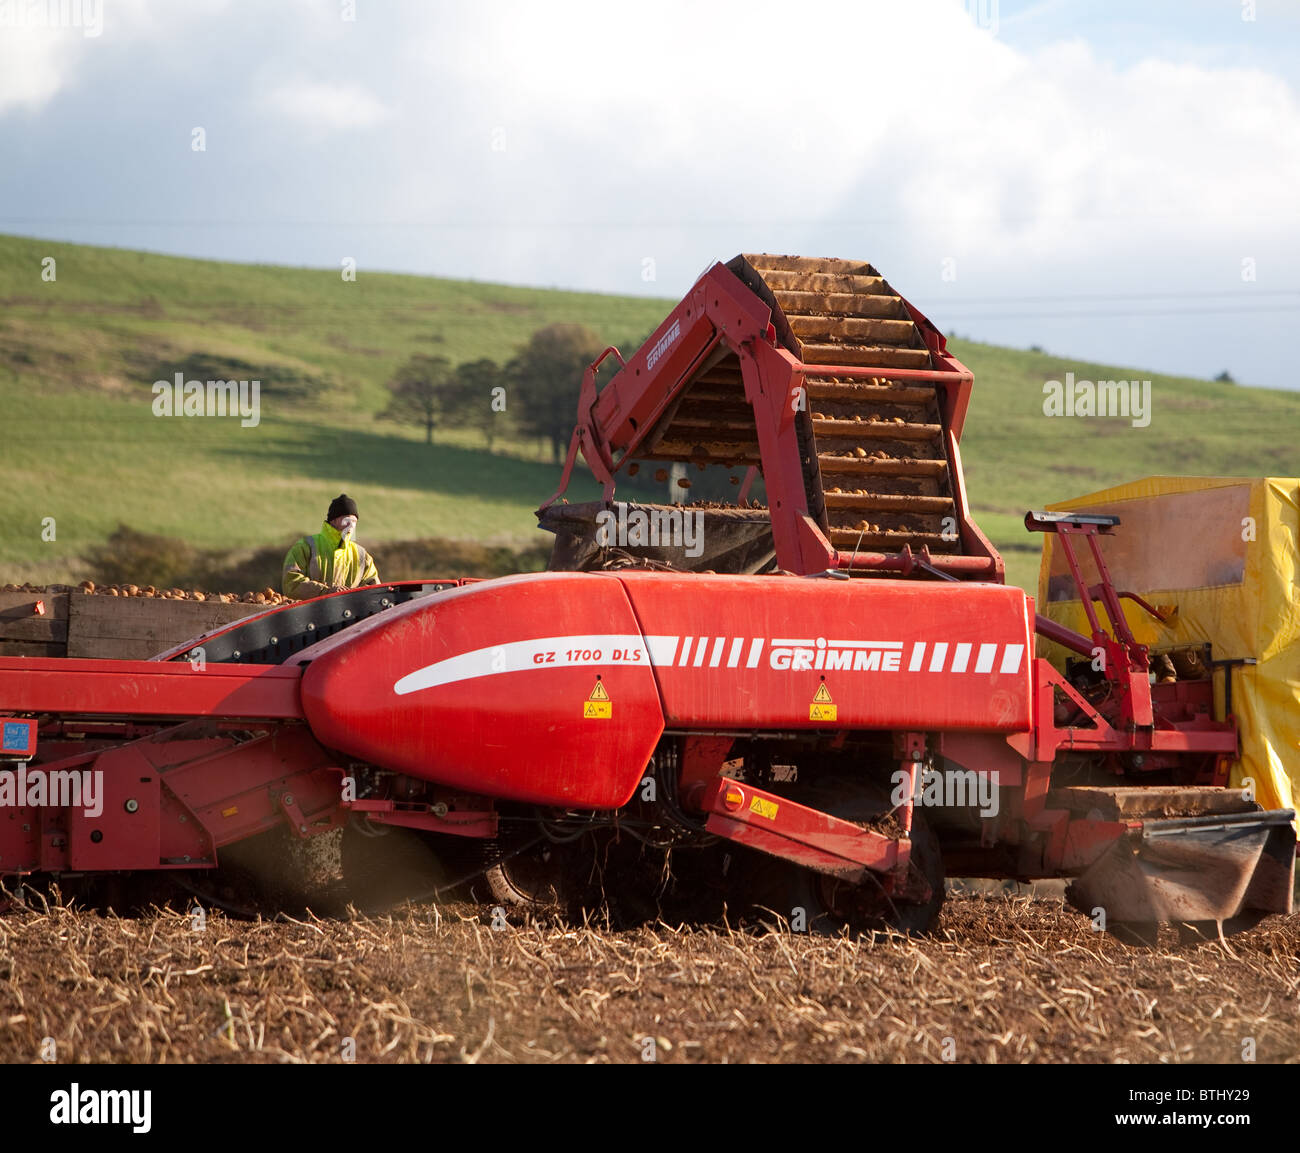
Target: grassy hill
pixel 79 355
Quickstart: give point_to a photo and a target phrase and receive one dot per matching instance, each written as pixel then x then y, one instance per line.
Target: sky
pixel 1112 181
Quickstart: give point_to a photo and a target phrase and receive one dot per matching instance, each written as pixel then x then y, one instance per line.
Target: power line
pixel 1103 314
pixel 1234 292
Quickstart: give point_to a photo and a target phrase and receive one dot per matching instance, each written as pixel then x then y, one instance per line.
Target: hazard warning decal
pixel 764 808
pixel 598 706
pixel 822 707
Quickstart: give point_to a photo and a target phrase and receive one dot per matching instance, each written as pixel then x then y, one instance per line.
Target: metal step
pixel 882 479
pixel 859 329
pixel 841 304
pixel 887 502
pixel 812 264
pixel 872 540
pixel 856 392
pixel 824 282
pixel 881 466
pixel 866 355
pixel 875 429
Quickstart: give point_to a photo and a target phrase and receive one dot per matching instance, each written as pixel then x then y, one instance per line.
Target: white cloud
pixel 35 63
pixel 562 144
pixel 44 43
pixel 325 106
pixel 899 133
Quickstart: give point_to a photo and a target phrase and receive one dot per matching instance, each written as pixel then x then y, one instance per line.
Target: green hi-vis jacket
pixel 325 563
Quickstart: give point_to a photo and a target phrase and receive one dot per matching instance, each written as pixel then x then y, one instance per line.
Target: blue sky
pixel 1113 181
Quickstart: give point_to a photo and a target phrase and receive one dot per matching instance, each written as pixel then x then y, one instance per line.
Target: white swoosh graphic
pixel 518 656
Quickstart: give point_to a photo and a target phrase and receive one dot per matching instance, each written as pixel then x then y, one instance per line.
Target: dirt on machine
pixel 820 706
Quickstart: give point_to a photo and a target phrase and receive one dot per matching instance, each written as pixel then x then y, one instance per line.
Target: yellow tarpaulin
pixel 1226 553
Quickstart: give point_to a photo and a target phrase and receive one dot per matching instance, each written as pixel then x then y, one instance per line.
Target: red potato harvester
pixel 825 706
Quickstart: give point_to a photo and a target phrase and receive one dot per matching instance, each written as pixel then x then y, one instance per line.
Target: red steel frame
pixel 144 689
pixel 205 758
pixel 202 758
pixel 720 310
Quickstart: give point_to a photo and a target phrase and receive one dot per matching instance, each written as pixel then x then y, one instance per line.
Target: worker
pixel 330 560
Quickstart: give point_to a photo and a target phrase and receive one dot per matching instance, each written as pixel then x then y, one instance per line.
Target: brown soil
pixel 1005 979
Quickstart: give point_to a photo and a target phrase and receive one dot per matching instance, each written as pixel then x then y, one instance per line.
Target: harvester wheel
pixel 829 905
pixel 532 878
pixel 865 907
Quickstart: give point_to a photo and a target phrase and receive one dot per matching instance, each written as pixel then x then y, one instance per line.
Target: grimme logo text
pixel 25 788
pixel 181 397
pixel 1129 398
pixel 651 528
pixel 663 344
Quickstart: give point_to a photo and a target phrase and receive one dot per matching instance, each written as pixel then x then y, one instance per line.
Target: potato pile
pixel 268 596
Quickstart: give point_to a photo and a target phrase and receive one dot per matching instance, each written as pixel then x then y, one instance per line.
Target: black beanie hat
pixel 341 505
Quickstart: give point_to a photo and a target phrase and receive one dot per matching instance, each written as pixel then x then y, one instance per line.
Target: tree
pixel 417 393
pixel 1225 377
pixel 546 376
pixel 476 397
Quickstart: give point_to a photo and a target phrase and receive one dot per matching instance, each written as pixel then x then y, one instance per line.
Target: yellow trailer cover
pixel 1225 554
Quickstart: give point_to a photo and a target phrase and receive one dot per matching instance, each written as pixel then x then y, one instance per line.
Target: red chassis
pixel 564 690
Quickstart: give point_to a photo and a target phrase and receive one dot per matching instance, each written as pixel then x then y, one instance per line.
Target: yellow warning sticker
pixel 764 808
pixel 598 706
pixel 822 708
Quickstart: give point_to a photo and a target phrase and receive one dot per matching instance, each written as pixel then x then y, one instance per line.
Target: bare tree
pixel 546 375
pixel 417 393
pixel 477 397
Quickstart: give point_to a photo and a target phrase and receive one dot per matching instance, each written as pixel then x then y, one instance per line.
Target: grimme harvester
pixel 838 706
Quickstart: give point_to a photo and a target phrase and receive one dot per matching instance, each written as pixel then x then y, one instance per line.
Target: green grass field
pixel 78 357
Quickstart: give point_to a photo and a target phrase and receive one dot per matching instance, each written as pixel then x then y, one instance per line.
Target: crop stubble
pixel 1008 979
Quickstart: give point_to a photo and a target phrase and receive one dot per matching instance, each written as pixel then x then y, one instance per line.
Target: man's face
pixel 347 526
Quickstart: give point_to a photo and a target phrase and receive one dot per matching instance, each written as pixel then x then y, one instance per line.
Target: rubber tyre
pixel 830 906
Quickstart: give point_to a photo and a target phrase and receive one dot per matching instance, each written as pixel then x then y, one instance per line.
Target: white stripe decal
pixel 519 655
pixel 864 644
pixel 1011 659
pixel 960 658
pixel 663 650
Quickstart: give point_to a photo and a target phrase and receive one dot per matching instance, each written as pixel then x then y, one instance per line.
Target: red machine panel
pixel 808 653
pixel 534 688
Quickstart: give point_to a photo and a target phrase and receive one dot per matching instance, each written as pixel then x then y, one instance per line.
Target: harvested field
pixel 1006 979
